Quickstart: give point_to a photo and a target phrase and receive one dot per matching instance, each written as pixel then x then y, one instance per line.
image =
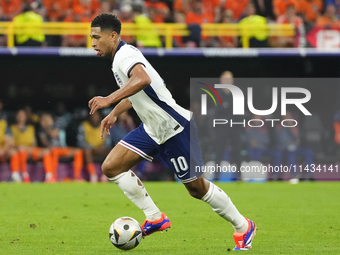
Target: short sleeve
pixel 126 64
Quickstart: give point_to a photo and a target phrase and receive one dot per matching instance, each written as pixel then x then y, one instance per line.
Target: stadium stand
pixel 215 28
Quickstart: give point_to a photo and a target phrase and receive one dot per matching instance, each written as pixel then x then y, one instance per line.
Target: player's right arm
pixel 138 80
pixel 111 118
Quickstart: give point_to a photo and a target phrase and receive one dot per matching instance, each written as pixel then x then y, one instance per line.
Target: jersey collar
pixel 122 43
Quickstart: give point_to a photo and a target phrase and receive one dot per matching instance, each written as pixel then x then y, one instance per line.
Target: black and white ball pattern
pixel 125 233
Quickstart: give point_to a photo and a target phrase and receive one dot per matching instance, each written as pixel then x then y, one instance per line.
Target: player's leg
pixel 119 160
pixel 224 207
pixel 183 162
pixel 218 200
pixel 131 150
pixel 183 154
pixel 117 167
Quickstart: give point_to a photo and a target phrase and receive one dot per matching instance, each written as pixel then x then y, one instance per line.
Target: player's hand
pixel 106 124
pixel 98 103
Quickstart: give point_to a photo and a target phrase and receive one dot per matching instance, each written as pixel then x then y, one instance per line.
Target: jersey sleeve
pixel 127 62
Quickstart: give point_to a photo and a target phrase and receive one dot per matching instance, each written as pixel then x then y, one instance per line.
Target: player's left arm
pixel 139 80
pixel 111 118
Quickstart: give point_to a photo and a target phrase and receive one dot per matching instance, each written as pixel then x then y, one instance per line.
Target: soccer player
pixel 165 129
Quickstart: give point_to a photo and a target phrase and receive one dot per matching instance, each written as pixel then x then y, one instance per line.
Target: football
pixel 125 233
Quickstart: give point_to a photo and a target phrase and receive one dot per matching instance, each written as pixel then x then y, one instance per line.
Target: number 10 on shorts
pixel 180 164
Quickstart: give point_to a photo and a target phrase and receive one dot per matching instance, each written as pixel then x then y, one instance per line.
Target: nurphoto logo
pixel 238 105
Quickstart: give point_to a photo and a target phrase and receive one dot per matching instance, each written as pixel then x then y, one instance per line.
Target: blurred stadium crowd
pixel 29 137
pixel 26 136
pixel 73 138
pixel 304 15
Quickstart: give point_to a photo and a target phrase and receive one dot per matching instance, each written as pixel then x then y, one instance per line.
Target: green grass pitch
pixel 74 218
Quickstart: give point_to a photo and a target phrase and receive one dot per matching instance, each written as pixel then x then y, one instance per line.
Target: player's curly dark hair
pixel 107 21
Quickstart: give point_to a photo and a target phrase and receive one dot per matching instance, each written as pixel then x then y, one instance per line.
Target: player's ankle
pixel 154 217
pixel 242 228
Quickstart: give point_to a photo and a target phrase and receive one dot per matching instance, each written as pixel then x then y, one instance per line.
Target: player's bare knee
pixel 107 169
pixel 110 169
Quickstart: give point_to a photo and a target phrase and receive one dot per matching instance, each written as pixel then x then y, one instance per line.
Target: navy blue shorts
pixel 181 152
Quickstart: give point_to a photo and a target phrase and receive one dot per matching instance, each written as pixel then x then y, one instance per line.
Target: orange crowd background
pixel 304 15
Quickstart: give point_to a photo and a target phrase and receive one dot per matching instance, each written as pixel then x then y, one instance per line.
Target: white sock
pixel 223 206
pixel 134 189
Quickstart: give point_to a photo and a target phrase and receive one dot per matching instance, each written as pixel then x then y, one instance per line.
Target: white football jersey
pixel 161 115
